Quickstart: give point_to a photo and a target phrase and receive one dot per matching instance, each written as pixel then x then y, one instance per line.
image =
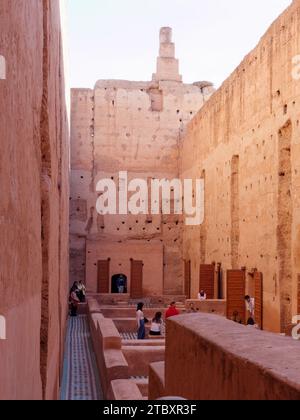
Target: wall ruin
pixel 246 139
pixel 134 127
pixel 34 167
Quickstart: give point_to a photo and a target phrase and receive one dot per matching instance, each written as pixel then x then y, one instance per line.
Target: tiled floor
pixel 129 336
pixel 80 376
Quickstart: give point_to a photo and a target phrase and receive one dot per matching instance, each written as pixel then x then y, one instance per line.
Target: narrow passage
pixel 80 374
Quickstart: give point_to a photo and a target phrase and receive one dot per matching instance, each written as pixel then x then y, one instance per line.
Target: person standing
pixel 172 311
pixel 250 303
pixel 140 318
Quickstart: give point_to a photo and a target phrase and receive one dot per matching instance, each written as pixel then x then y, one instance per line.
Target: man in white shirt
pixel 250 303
pixel 202 296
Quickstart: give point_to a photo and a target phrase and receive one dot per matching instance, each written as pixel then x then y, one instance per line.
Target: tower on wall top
pixel 167 64
pixel 165 35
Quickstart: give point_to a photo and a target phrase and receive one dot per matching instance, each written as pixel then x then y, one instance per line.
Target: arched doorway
pixel 119 284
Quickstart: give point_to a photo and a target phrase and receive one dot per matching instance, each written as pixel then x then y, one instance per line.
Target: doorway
pixel 119 284
pixel 207 280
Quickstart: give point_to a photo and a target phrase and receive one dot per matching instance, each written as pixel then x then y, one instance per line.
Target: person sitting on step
pixel 172 311
pixel 81 291
pixel 156 325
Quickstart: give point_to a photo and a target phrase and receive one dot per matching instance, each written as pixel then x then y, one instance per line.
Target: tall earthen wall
pixel 246 139
pixel 134 127
pixel 34 171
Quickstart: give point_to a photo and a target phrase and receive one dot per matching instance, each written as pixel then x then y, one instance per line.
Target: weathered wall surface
pixel 217 359
pixel 134 127
pixel 120 262
pixel 34 169
pixel 245 142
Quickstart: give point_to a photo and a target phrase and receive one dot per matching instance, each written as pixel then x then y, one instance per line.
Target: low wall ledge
pixel 274 353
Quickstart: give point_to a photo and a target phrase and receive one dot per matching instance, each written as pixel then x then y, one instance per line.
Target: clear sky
pixel 118 39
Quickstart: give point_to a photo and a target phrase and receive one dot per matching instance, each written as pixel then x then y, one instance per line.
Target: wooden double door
pixel 136 272
pixel 236 290
pixel 207 280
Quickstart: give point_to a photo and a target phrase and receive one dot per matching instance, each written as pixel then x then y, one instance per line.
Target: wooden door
pixel 258 281
pixel 207 280
pixel 236 285
pixel 136 286
pixel 103 276
pixel 187 279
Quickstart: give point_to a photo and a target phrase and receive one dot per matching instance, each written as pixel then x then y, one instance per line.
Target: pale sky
pixel 119 39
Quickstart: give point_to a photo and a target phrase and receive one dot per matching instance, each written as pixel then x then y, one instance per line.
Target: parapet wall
pixel 245 143
pixel 123 363
pixel 217 359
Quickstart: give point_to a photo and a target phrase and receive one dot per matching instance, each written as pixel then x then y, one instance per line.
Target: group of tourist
pixel 250 306
pixel 157 322
pixel 76 296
